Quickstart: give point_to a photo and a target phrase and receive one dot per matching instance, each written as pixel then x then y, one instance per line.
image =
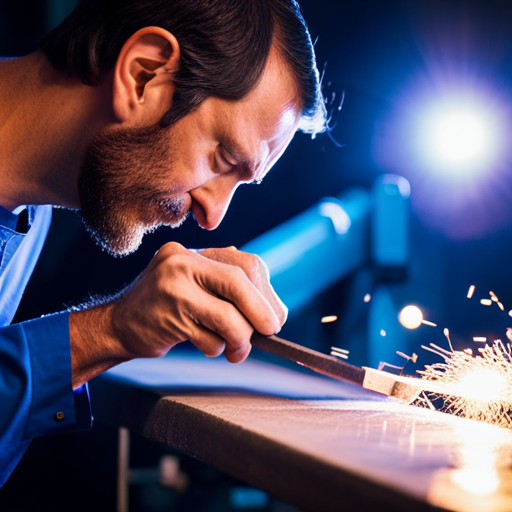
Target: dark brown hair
pixel 224 45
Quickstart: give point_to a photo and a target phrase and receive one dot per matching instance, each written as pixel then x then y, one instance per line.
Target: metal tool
pixel 404 388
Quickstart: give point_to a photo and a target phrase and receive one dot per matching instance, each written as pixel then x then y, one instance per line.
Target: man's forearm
pixel 94 348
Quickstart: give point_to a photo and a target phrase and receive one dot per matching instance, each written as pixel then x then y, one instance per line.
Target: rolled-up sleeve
pixel 36 394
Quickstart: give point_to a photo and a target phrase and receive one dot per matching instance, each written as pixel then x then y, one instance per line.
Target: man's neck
pixel 46 122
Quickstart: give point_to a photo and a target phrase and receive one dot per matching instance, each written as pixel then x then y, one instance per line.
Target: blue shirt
pixel 36 394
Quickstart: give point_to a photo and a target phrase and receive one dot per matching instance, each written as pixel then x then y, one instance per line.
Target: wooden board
pixel 315 442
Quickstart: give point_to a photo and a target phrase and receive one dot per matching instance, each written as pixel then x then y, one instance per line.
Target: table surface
pixel 317 443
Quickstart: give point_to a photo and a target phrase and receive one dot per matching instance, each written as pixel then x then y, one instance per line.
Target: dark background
pixel 390 58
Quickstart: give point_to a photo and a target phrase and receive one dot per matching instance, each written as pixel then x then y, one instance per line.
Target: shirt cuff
pixel 55 406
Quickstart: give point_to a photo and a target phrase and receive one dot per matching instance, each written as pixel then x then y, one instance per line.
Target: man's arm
pixel 215 299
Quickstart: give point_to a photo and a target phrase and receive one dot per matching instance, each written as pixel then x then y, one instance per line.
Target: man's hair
pixel 224 46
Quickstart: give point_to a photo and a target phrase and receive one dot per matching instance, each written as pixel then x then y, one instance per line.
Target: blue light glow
pixel 459 136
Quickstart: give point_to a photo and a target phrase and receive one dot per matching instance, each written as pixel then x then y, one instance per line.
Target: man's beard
pixel 125 187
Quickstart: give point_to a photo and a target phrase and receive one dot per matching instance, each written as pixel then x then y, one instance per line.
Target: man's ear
pixel 143 76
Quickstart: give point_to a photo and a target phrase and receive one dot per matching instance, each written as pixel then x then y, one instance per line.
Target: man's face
pixel 136 179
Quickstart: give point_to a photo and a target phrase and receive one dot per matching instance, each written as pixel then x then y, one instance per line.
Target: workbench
pixel 317 443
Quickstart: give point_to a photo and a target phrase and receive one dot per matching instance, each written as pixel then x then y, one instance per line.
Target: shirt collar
pixel 8 219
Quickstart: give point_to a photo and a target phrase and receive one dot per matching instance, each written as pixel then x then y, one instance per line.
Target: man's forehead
pixel 270 113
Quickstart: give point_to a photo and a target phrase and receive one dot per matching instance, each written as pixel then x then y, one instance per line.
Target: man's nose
pixel 210 202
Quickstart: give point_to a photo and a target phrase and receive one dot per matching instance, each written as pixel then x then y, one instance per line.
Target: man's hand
pixel 215 299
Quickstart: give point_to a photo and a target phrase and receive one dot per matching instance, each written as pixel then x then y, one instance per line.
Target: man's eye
pixel 225 160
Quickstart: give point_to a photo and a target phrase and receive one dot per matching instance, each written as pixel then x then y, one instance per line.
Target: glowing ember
pixel 329 319
pixel 410 317
pixel 471 291
pixel 486 302
pixel 477 387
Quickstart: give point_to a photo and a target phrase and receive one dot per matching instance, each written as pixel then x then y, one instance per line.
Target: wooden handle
pixel 316 361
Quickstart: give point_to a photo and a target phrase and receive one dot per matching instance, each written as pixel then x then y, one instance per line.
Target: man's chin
pixel 123 242
pixel 118 246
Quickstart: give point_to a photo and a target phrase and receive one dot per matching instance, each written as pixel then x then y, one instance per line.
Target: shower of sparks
pixel 478 386
pixel 329 319
pixel 367 297
pixel 426 322
pixel 471 291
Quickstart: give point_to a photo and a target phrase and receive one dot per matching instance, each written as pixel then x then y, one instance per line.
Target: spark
pixel 367 297
pixel 477 387
pixel 382 332
pixel 342 350
pixel 494 298
pixel 486 302
pixel 339 354
pixel 446 332
pixel 471 291
pixel 480 339
pixel 329 319
pixel 426 322
pixel 500 305
pixel 412 358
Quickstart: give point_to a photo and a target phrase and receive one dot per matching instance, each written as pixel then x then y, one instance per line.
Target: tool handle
pixel 316 361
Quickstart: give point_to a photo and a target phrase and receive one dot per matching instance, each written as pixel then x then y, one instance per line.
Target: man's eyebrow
pixel 241 156
pixel 238 153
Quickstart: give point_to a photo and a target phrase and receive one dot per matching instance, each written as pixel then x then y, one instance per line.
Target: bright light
pixel 459 135
pixel 484 384
pixel 410 317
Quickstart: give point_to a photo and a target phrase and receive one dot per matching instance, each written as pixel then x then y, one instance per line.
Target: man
pixel 135 113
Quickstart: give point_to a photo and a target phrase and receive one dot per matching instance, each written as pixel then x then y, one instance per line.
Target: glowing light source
pixel 484 384
pixel 329 319
pixel 460 134
pixel 410 317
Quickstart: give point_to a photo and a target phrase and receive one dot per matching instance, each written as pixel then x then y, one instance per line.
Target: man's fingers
pixel 256 271
pixel 228 324
pixel 208 342
pixel 233 285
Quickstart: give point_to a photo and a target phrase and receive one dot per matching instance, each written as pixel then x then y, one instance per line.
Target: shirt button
pixel 59 416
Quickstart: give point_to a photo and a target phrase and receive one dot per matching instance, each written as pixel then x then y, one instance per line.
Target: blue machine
pixel 358 232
